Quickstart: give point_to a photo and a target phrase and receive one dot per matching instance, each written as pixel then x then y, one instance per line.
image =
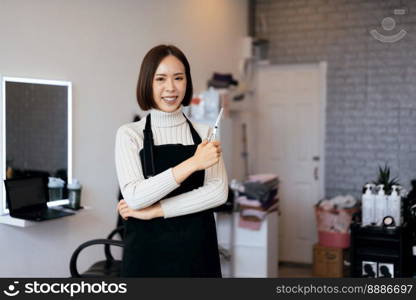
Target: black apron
pixel 183 246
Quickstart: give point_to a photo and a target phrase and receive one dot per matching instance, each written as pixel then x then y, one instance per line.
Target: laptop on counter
pixel 27 199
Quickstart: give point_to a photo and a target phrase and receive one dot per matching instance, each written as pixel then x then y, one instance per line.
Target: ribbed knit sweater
pixel 138 192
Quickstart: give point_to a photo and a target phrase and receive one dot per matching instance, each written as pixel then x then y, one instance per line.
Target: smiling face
pixel 169 84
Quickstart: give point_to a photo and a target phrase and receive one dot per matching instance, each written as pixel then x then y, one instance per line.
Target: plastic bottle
pixel 368 205
pixel 380 205
pixel 74 194
pixel 394 205
pixel 55 187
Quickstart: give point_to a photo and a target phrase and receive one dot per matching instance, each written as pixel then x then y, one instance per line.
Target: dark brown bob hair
pixel 148 68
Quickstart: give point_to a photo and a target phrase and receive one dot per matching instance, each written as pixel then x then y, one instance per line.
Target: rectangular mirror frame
pixel 4 80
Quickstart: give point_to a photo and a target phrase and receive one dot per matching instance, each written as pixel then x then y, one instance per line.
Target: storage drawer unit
pixel 380 245
pixel 255 252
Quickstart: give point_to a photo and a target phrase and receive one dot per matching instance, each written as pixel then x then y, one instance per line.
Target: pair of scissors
pixel 212 134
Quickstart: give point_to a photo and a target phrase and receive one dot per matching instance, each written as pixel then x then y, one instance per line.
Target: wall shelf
pixel 8 220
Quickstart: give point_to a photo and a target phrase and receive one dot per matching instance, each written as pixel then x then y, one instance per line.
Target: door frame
pixel 322 67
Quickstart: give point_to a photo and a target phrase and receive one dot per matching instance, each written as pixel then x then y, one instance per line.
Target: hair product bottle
pixel 380 205
pixel 394 205
pixel 74 194
pixel 368 204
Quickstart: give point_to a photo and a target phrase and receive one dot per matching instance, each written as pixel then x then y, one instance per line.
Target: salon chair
pixel 110 267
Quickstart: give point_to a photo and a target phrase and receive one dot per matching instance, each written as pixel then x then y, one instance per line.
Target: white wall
pixel 98 45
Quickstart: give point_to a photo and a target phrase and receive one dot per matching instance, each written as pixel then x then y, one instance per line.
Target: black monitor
pixel 25 193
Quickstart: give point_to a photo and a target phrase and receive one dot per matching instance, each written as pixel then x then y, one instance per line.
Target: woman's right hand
pixel 207 154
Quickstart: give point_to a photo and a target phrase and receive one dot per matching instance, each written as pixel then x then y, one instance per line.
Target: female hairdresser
pixel 169 177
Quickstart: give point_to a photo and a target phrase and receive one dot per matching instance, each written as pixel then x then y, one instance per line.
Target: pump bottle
pixel 394 205
pixel 380 205
pixel 368 199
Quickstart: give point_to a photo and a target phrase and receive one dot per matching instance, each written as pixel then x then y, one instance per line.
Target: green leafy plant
pixel 384 178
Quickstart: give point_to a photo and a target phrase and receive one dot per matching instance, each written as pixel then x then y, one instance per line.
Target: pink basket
pixel 333 226
pixel 334 239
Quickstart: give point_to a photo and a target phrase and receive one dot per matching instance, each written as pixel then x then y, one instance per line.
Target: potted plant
pixel 384 178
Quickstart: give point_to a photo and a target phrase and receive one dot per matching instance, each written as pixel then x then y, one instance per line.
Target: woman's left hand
pixel 147 213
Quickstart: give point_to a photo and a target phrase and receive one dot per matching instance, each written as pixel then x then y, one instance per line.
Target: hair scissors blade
pixel 217 122
pixel 212 133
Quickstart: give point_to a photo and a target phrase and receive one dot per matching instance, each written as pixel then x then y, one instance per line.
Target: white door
pixel 290 109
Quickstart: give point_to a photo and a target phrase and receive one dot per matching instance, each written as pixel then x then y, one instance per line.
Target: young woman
pixel 169 176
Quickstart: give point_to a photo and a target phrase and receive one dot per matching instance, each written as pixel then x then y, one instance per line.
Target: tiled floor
pixel 290 270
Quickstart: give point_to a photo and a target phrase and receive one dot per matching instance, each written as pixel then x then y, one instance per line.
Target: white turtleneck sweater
pixel 138 192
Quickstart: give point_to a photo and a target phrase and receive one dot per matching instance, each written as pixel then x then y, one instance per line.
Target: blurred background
pixel 318 99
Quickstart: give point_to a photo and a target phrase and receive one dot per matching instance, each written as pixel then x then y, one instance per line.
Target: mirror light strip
pixel 3 130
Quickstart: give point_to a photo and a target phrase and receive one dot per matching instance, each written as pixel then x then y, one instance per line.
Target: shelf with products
pixel 381 246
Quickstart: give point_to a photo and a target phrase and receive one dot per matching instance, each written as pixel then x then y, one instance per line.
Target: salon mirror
pixel 36 128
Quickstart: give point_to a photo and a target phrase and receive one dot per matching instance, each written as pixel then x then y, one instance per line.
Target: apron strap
pixel 149 164
pixel 195 135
